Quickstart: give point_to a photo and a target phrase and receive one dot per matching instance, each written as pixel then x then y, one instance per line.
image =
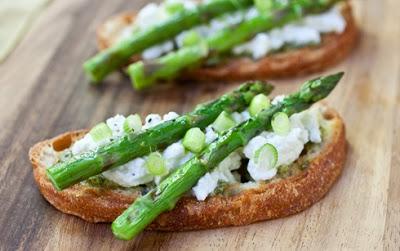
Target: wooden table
pixel 43 92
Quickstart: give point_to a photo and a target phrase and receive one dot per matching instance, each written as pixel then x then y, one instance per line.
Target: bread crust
pixel 266 201
pixel 333 49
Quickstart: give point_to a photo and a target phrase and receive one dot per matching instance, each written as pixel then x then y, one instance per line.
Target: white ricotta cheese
pixel 85 144
pixel 116 125
pixel 152 120
pixel 211 135
pixel 150 15
pixel 237 117
pixel 157 50
pixel 223 172
pixel 245 115
pixel 306 31
pixel 218 24
pixel 309 120
pixel 170 116
pixel 131 174
pixel 278 99
pixel 173 154
pixel 304 128
pixel 330 21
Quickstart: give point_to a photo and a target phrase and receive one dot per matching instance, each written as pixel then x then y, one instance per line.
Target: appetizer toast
pixel 239 159
pixel 238 206
pixel 333 48
pixel 223 40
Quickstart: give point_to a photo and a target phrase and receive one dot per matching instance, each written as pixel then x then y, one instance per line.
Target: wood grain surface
pixel 43 92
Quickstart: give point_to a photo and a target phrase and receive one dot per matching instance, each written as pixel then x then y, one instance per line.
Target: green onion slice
pixel 263 6
pixel 132 123
pixel 194 140
pixel 280 123
pixel 173 8
pixel 223 122
pixel 100 132
pixel 155 164
pixel 191 38
pixel 259 103
pixel 266 156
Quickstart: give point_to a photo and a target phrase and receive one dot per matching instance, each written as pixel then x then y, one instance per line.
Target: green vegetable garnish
pixel 132 123
pixel 155 164
pixel 280 123
pixel 223 122
pixel 266 156
pixel 264 6
pixel 259 103
pixel 191 38
pixel 173 8
pixel 194 140
pixel 100 132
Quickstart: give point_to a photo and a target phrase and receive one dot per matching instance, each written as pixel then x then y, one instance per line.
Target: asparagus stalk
pixel 164 197
pixel 118 152
pixel 145 73
pixel 117 56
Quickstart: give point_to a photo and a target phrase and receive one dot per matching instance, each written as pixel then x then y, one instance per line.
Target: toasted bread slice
pixel 333 48
pixel 240 204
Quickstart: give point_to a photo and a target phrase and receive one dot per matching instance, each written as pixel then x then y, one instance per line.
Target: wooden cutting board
pixel 43 92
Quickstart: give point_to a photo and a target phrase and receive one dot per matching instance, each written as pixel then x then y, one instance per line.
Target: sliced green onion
pixel 266 156
pixel 259 103
pixel 263 6
pixel 173 8
pixel 191 38
pixel 100 132
pixel 194 140
pixel 223 122
pixel 155 164
pixel 132 123
pixel 280 123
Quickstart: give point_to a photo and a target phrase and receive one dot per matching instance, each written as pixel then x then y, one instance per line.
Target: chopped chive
pixel 155 164
pixel 132 123
pixel 259 103
pixel 264 7
pixel 100 132
pixel 173 8
pixel 194 140
pixel 223 122
pixel 266 156
pixel 191 38
pixel 280 123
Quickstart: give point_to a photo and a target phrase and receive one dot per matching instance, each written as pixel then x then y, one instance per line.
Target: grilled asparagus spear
pixel 164 197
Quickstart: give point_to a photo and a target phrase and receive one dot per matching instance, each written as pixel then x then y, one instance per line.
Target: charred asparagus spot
pixel 98 67
pixel 121 151
pixel 170 65
pixel 164 197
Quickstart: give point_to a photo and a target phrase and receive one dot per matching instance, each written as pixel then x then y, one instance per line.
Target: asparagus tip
pixel 88 69
pixel 136 72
